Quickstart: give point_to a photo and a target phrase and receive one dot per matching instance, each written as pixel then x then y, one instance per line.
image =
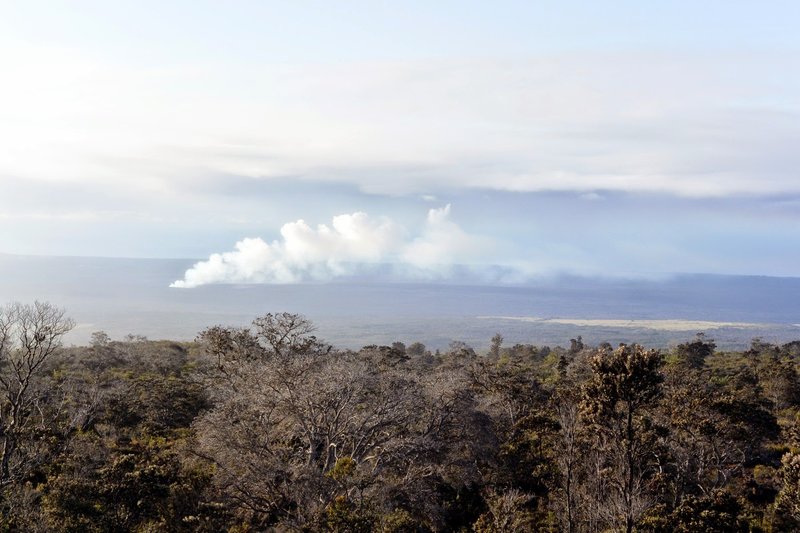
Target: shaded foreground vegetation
pixel 269 428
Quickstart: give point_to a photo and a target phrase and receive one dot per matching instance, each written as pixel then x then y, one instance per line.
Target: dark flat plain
pixel 122 296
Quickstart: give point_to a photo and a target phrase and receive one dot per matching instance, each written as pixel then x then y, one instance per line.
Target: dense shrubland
pixel 269 428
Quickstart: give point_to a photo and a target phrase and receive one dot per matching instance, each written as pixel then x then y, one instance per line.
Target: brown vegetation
pixel 269 428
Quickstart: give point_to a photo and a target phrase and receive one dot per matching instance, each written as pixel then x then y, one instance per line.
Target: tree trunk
pixel 629 481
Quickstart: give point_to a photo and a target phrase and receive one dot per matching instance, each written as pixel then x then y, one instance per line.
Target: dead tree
pixel 29 336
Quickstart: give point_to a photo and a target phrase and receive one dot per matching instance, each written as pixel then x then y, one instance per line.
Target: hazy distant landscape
pixel 132 296
pixel 399 267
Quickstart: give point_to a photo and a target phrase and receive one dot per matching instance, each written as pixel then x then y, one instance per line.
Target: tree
pixel 717 511
pixel 507 513
pixel 416 349
pixel 575 345
pixel 624 383
pixel 496 344
pixel 100 339
pixel 287 334
pixel 787 504
pixel 715 428
pixel 460 350
pixel 777 374
pixel 569 457
pixel 694 354
pixel 121 464
pixel 29 336
pixel 788 501
pixel 280 335
pixel 280 437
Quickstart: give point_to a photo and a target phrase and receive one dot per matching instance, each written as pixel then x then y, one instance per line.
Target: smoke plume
pixel 353 243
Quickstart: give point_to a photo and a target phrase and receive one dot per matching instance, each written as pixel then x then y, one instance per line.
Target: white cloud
pixel 591 196
pixel 560 122
pixel 351 243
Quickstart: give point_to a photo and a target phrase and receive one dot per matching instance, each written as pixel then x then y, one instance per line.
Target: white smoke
pixel 350 243
pixel 441 241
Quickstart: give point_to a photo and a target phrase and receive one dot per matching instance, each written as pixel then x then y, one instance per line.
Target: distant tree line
pixel 268 428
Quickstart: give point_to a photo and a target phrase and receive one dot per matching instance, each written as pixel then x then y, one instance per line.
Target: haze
pixel 310 141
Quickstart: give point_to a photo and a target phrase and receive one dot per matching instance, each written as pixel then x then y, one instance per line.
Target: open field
pixel 662 325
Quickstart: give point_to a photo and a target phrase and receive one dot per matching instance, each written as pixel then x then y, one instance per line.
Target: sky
pixel 279 142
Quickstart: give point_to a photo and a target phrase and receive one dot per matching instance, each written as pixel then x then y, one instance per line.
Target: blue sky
pixel 589 137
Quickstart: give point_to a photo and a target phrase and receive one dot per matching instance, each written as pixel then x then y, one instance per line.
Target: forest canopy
pixel 268 427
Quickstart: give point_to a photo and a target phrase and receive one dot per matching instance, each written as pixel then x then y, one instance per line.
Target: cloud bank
pixel 351 244
pixel 552 122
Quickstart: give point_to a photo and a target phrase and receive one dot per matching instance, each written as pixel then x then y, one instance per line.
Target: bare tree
pixel 569 458
pixel 287 334
pixel 29 335
pixel 507 513
pixel 288 417
pixel 280 335
pixel 301 432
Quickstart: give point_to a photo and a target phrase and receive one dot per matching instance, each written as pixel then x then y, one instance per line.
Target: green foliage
pixel 399 521
pixel 715 513
pixel 787 505
pixel 627 377
pixel 342 516
pixel 342 469
pixel 624 383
